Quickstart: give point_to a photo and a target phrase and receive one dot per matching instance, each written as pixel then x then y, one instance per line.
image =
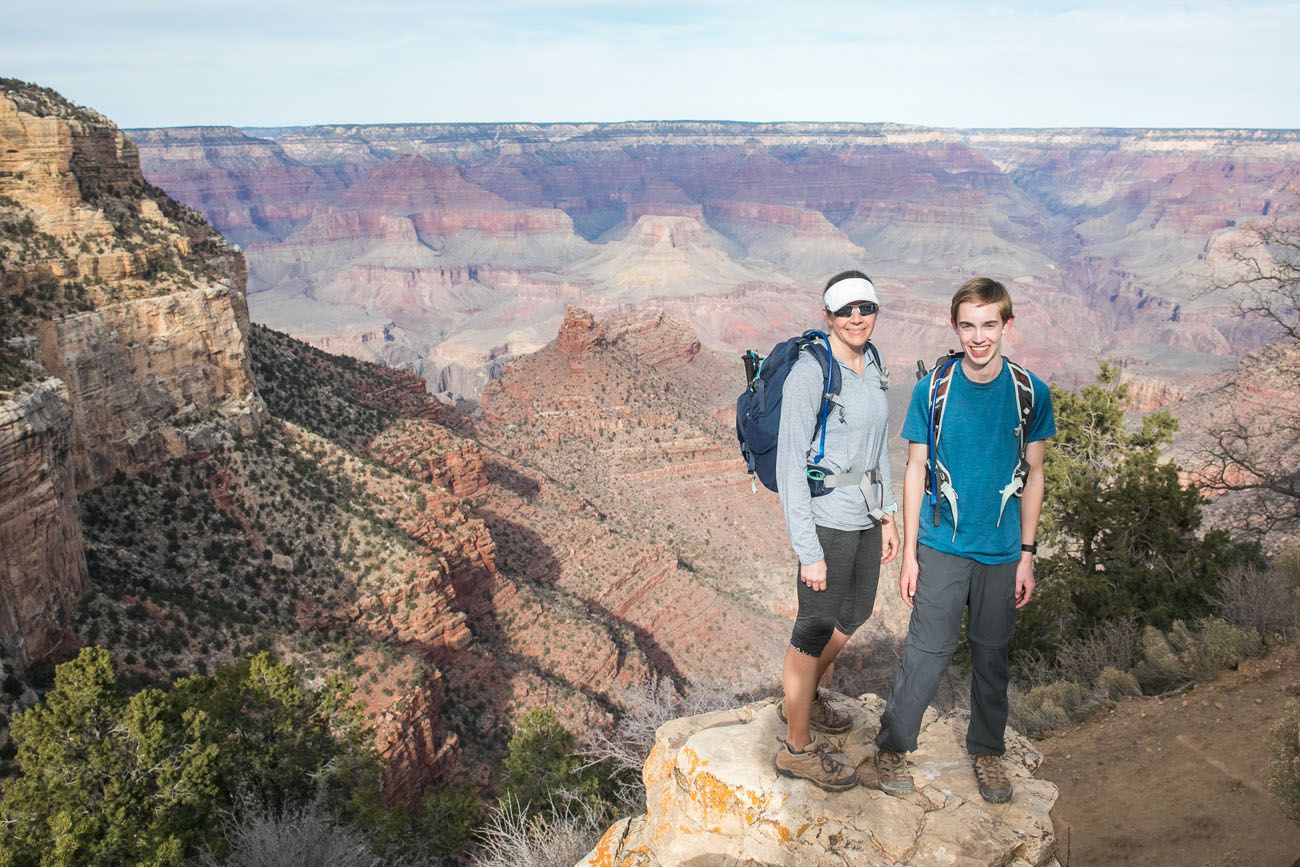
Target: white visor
pixel 847 291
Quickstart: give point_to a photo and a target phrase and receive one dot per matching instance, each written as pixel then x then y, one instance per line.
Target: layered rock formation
pixel 135 305
pixel 42 564
pixel 713 797
pixel 626 411
pixel 152 379
pixel 1107 234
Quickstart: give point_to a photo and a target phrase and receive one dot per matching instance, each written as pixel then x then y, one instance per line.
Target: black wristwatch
pixel 1031 548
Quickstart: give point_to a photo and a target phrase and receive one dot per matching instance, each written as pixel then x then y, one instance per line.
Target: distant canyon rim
pixel 450 249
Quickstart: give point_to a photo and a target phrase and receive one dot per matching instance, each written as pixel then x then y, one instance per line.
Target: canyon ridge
pixel 450 249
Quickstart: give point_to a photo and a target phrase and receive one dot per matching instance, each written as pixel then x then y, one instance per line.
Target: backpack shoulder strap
pixel 1024 386
pixel 940 381
pixel 817 344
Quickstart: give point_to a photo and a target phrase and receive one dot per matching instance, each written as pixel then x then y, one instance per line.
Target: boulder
pixel 713 798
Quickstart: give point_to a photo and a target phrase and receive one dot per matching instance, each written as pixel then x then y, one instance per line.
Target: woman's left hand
pixel 888 539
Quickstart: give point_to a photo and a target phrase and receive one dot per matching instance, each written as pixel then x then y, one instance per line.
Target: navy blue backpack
pixel 758 409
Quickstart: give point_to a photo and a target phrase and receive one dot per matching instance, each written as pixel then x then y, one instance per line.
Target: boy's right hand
pixel 907 575
pixel 814 575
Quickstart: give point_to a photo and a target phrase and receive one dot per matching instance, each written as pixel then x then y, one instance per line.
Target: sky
pixel 1202 63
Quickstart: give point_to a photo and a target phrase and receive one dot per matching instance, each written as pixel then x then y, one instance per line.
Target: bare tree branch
pixel 1252 451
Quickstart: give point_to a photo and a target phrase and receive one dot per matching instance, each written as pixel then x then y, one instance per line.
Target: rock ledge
pixel 713 798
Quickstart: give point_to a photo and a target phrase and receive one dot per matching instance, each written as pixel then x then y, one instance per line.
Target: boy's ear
pixel 1011 320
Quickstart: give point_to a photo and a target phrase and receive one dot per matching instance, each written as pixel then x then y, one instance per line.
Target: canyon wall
pixel 42 564
pixel 464 243
pixel 135 307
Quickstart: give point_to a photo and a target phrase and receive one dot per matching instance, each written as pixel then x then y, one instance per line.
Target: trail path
pixel 1178 781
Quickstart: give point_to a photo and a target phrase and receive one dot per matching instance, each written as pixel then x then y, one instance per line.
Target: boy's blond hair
pixel 981 291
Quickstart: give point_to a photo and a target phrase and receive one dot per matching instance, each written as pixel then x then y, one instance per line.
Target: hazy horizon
pixel 1202 64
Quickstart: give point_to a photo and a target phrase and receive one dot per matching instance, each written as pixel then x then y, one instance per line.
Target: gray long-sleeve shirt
pixel 856 432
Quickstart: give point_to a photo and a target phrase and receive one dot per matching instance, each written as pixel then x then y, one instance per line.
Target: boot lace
pixel 989 770
pixel 830 764
pixel 891 763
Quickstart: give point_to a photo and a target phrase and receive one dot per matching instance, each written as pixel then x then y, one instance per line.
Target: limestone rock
pixel 713 797
pixel 131 300
pixel 151 379
pixel 42 562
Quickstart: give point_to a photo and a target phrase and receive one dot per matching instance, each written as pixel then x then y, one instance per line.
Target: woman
pixel 841 535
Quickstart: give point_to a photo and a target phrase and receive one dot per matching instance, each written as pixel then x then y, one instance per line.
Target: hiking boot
pixel 824 717
pixel 815 765
pixel 994 785
pixel 892 773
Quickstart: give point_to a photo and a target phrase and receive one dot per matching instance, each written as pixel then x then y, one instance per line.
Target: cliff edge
pixel 122 345
pixel 714 798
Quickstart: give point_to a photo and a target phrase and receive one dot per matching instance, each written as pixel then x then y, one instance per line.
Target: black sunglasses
pixel 866 308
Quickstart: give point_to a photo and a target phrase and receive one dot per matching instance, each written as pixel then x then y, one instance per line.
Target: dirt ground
pixel 1178 781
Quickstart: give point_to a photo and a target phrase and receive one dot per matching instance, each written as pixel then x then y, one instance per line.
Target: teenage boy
pixel 976 548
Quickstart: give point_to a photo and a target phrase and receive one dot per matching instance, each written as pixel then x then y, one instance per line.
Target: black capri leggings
pixel 852 574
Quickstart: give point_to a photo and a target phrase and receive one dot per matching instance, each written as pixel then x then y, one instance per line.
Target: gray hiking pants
pixel 947 585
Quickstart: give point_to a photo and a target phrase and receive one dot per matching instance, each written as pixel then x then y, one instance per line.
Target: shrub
pixel 1111 644
pixel 1284 767
pixel 1287 564
pixel 1263 600
pixel 541 762
pixel 300 839
pixel 1160 667
pixel 1220 645
pixel 1182 654
pixel 1117 684
pixel 1034 713
pixel 1046 707
pixel 560 837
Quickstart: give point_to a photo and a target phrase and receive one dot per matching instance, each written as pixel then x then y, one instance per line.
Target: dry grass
pixel 1262 600
pixel 1284 767
pixel 304 839
pixel 560 837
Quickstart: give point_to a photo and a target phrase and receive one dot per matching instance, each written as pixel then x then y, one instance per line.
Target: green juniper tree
pixel 1121 528
pixel 541 765
pixel 109 779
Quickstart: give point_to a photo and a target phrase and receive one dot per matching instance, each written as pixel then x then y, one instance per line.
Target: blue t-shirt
pixel 980 448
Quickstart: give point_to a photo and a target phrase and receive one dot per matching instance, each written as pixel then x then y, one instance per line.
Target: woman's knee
pixel 812 634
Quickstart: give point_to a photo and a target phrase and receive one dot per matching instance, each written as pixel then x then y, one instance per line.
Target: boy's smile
pixel 980 330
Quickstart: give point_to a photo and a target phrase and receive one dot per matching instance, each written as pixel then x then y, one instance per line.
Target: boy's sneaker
pixel 824 717
pixel 993 782
pixel 815 765
pixel 892 773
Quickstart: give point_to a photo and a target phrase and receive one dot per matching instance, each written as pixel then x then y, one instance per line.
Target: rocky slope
pixel 712 797
pixel 629 411
pixel 1107 234
pixel 153 505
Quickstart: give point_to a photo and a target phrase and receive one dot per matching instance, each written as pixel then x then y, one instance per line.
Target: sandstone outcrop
pixel 42 563
pixel 135 305
pixel 152 379
pixel 713 797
